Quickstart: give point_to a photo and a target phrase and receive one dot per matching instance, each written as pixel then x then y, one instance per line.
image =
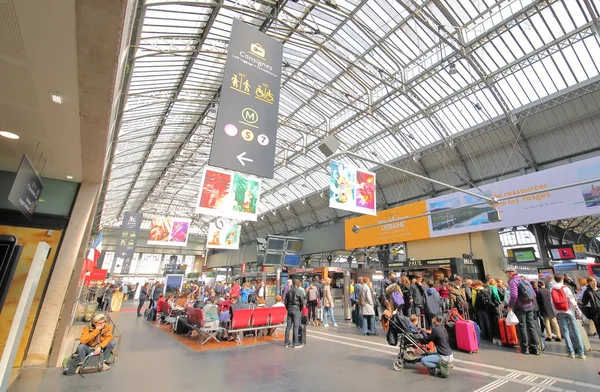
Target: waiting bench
pixel 195 321
pixel 256 319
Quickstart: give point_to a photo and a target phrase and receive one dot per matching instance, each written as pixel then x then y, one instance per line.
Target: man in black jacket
pixel 294 303
pixel 439 337
pixel 547 312
pixel 418 295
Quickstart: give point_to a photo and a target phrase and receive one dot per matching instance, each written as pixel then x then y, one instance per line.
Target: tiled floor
pixel 335 359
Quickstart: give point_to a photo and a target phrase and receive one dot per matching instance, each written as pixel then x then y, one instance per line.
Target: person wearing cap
pixel 96 337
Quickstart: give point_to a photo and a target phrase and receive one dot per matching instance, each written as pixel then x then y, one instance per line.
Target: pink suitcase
pixel 466 337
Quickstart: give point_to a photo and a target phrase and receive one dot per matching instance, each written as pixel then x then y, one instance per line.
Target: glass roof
pixel 388 78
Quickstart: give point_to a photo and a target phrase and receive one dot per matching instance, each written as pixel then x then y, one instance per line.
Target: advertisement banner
pixel 128 236
pixel 458 213
pixel 169 231
pixel 522 208
pixel 227 194
pixel 223 236
pixel 351 189
pixel 246 128
pixel 387 233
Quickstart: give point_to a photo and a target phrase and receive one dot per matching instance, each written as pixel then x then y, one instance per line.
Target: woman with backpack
pixel 408 300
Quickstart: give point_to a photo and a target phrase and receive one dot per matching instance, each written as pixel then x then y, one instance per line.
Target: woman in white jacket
pixel 367 307
pixel 567 312
pixel 328 303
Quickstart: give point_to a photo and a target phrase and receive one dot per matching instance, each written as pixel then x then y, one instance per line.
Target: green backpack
pixel 444 368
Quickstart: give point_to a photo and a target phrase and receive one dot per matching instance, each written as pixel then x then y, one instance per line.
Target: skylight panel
pixel 584 49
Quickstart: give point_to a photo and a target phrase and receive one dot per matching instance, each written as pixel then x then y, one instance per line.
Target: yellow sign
pixel 257 50
pixel 579 248
pixel 240 83
pixel 388 231
pixel 510 253
pixel 264 93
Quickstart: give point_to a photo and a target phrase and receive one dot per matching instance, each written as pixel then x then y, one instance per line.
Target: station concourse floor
pixel 334 359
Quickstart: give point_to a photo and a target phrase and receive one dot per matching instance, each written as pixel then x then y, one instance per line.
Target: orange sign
pixel 387 233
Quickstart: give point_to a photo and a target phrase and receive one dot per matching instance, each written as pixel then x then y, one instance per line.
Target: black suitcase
pixel 181 326
pixel 302 333
pixel 151 315
pixel 147 314
pixel 451 329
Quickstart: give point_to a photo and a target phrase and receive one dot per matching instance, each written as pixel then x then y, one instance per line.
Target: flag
pixel 94 254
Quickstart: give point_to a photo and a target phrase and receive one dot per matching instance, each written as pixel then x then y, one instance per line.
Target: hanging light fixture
pixel 452 69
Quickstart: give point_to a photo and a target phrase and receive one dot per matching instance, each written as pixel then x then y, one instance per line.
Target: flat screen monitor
pixel 562 252
pixel 273 259
pixel 383 255
pixel 294 245
pixel 26 189
pixel 291 260
pixel 260 259
pixel 276 243
pixel 524 255
pixel 10 253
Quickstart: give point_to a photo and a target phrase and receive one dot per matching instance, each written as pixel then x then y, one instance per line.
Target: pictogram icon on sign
pixel 257 50
pixel 249 117
pixel 242 158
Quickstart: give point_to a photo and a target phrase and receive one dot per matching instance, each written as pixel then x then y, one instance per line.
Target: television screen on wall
pixel 562 252
pixel 524 255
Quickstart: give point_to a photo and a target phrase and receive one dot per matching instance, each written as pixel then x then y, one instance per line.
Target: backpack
pixel 70 365
pixel 525 291
pixel 393 294
pixel 483 299
pixel 444 367
pixel 560 299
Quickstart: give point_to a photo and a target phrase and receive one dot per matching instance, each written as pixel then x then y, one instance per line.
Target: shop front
pixel 439 269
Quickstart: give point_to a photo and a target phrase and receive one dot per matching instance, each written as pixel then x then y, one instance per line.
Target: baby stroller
pixel 411 350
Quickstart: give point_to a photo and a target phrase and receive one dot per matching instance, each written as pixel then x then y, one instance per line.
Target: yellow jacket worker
pixel 96 338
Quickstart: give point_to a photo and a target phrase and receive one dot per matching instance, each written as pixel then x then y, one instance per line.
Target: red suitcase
pixel 508 334
pixel 466 337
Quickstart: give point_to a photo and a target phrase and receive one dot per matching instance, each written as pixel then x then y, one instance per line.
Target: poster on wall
pixel 222 235
pixel 169 231
pixel 173 283
pixel 228 194
pixel 351 189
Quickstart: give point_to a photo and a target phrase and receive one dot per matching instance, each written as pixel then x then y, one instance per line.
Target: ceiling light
pixel 9 135
pixel 56 98
pixel 452 69
pixel 69 177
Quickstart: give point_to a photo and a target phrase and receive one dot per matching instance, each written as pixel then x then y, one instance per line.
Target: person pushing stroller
pixel 438 363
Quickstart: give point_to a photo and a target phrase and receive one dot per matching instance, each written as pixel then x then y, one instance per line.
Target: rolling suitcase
pixel 584 336
pixel 466 336
pixel 508 334
pixel 451 329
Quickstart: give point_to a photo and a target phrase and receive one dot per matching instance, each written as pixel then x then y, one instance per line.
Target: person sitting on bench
pixel 96 338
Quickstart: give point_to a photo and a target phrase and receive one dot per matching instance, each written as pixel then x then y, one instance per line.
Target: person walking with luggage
pixel 143 295
pixel 521 301
pixel 567 312
pixel 294 303
pixel 591 301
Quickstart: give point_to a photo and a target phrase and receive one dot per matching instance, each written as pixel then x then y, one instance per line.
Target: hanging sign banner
pixel 169 231
pixel 351 189
pixel 246 126
pixel 128 235
pixel 226 194
pixel 222 235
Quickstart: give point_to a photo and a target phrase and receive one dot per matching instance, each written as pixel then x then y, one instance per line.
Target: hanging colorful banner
pixel 351 189
pixel 223 236
pixel 227 194
pixel 169 231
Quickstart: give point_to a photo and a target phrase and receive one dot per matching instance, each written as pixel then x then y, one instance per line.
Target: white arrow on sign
pixel 242 158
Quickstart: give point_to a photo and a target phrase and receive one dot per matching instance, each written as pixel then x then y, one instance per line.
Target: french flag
pixel 94 253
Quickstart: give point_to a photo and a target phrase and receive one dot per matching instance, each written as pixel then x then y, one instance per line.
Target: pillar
pixel 64 280
pixel 540 238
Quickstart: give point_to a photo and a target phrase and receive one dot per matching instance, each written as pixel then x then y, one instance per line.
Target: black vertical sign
pixel 128 235
pixel 246 127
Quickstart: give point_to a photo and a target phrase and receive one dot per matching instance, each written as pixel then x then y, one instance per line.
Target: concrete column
pixel 540 238
pixel 64 279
